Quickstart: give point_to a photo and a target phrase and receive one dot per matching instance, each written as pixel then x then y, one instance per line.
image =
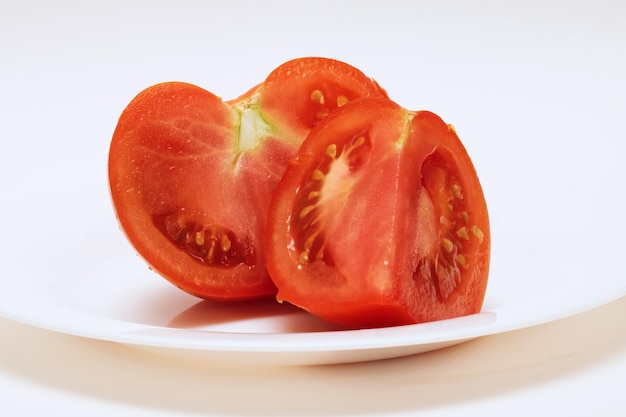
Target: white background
pixel 536 90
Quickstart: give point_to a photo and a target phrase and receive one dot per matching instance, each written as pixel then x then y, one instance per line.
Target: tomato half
pixel 380 220
pixel 191 176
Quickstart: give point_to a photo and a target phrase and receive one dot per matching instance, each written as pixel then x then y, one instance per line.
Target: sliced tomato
pixel 380 220
pixel 191 176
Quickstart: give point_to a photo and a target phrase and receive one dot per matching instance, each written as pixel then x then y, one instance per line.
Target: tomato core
pixel 323 193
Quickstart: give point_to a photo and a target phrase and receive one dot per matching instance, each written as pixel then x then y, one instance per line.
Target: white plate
pixel 78 276
pixel 543 130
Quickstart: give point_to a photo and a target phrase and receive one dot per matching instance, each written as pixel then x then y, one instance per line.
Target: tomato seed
pixel 447 244
pixel 358 142
pixel 331 151
pixel 200 238
pixel 225 243
pixel 477 232
pixel 323 113
pixel 456 191
pixel 318 175
pixel 341 100
pixel 317 96
pixel 462 233
pixel 313 195
pixel 305 211
pixel 304 256
pixel 173 227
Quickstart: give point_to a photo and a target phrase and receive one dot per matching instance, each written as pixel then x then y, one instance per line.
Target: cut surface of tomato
pixel 380 220
pixel 191 175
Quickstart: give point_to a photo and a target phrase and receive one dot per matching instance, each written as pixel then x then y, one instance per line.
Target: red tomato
pixel 191 176
pixel 380 220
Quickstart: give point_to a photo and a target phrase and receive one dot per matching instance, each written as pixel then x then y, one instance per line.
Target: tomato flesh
pixel 191 176
pixel 380 220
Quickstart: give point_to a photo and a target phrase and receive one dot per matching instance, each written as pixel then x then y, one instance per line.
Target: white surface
pixel 537 92
pixel 573 367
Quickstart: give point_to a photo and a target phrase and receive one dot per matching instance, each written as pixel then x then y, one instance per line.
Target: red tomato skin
pixel 176 153
pixel 374 241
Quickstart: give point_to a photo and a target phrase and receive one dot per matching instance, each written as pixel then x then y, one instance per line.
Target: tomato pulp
pixel 191 176
pixel 380 220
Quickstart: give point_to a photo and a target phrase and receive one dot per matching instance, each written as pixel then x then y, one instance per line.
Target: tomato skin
pixel 191 176
pixel 367 208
